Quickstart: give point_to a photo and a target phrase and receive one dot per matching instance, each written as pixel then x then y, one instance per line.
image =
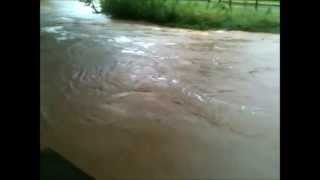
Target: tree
pixel 90 2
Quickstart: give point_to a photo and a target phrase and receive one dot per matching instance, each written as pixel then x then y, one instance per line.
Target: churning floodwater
pixel 125 100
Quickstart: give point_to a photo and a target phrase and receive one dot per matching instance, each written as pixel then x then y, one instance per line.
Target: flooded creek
pixel 133 101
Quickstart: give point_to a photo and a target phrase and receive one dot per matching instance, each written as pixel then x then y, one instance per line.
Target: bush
pixel 197 15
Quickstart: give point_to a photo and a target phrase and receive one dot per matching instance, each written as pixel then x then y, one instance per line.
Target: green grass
pixel 194 14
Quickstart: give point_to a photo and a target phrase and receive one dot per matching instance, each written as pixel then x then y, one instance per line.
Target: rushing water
pixel 124 100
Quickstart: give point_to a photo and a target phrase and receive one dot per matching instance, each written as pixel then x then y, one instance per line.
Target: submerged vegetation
pixel 195 14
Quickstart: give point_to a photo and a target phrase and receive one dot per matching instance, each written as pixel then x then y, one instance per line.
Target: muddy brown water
pixel 131 101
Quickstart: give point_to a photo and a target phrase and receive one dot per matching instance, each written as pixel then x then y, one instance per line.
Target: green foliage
pixel 191 14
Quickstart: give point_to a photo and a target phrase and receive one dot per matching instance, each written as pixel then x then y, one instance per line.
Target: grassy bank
pixel 194 14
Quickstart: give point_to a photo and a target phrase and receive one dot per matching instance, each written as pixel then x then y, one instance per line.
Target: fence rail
pixel 255 3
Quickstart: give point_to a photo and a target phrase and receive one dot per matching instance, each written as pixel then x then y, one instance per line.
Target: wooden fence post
pixel 208 4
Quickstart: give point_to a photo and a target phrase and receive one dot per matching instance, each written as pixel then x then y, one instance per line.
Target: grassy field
pixel 195 14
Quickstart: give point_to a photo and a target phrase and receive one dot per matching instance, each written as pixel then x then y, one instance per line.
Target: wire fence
pixel 255 3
